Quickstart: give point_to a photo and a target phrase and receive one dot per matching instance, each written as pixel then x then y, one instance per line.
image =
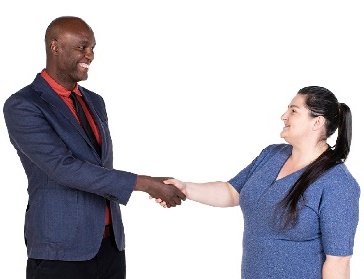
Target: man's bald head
pixel 62 25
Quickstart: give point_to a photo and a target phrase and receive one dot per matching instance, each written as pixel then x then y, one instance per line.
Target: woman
pixel 299 201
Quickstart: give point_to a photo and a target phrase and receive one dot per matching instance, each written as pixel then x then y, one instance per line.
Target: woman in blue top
pixel 299 201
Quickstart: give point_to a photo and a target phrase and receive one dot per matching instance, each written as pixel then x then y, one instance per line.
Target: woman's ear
pixel 319 123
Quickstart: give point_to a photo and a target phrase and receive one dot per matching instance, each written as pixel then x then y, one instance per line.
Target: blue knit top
pixel 326 225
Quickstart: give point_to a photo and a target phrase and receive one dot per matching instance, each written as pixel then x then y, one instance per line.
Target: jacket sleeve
pixel 43 151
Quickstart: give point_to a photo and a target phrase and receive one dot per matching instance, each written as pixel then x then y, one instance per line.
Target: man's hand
pixel 171 181
pixel 155 187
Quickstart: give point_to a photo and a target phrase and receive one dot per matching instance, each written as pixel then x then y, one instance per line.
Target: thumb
pixel 170 181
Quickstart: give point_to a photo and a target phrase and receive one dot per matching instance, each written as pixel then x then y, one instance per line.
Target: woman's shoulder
pixel 339 177
pixel 277 149
pixel 340 172
pixel 273 153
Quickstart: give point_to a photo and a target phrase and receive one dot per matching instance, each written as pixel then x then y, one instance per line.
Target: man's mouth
pixel 84 65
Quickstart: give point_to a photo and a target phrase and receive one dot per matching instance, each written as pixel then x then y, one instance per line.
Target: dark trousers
pixel 109 263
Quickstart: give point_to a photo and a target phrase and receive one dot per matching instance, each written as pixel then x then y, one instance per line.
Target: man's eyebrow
pixel 84 42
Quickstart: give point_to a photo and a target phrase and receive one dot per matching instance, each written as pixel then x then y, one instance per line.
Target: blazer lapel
pixel 51 97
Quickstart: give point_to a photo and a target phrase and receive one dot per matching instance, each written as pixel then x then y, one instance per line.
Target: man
pixel 73 226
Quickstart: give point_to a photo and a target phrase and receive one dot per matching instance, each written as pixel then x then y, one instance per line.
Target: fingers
pixel 160 202
pixel 179 197
pixel 182 196
pixel 163 204
pixel 180 185
pixel 167 205
pixel 170 194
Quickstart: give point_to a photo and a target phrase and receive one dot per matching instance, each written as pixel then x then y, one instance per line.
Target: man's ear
pixel 319 123
pixel 54 46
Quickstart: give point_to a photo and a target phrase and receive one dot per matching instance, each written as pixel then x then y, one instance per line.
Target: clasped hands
pixel 156 187
pixel 171 182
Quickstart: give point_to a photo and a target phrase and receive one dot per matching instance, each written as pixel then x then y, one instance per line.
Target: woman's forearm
pixel 336 267
pixel 219 194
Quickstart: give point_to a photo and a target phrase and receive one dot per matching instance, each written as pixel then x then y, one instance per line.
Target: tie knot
pixel 73 95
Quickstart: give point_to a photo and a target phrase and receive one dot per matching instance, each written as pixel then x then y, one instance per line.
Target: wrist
pixel 141 183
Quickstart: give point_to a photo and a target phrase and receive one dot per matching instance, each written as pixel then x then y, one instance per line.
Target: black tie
pixel 84 122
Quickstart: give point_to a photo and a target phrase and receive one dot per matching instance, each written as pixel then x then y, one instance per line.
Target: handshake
pixel 168 192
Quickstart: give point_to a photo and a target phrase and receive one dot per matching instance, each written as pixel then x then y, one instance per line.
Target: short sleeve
pixel 339 212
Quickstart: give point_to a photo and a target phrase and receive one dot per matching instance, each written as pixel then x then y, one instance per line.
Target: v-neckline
pixel 290 174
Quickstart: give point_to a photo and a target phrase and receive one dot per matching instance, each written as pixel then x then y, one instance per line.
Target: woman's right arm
pixel 218 194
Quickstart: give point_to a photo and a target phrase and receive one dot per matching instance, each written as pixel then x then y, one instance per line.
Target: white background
pixel 195 90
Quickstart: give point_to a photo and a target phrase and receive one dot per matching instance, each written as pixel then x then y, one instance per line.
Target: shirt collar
pixel 59 89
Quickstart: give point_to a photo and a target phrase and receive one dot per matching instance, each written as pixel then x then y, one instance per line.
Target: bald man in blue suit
pixel 72 188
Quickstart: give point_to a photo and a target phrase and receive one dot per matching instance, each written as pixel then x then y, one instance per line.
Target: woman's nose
pixel 284 116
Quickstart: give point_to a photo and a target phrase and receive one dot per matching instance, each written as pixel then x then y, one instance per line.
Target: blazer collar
pixel 50 96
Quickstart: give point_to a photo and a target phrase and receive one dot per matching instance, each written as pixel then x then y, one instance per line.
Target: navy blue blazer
pixel 68 183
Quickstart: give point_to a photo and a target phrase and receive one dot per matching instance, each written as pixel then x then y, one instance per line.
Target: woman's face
pixel 298 123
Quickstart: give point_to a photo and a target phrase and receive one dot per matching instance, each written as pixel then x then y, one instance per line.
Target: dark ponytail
pixel 321 102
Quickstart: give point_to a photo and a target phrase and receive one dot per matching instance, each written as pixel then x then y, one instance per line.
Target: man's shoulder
pixel 20 94
pixel 36 85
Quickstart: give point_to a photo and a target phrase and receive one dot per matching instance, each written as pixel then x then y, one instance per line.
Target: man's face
pixel 75 52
